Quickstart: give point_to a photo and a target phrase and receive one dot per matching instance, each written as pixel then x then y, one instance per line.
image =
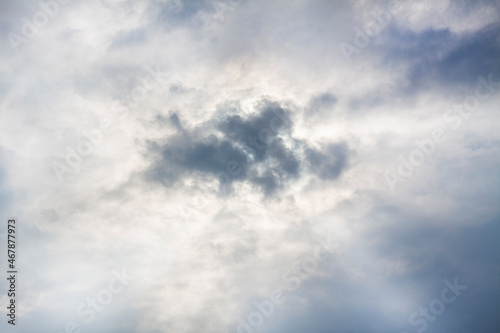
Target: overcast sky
pixel 239 166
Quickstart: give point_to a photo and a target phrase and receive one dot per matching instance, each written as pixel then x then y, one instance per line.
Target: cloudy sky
pixel 239 166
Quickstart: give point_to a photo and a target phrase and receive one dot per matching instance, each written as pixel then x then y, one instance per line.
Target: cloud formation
pixel 224 146
pixel 258 148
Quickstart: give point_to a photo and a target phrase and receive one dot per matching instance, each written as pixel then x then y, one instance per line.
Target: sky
pixel 240 166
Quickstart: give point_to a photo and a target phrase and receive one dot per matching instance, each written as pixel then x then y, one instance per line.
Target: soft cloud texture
pixel 208 147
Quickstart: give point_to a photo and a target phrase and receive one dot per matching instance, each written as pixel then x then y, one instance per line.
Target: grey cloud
pixel 321 108
pixel 176 13
pixel 400 246
pixel 174 118
pixel 422 257
pixel 322 104
pixel 258 148
pixel 330 163
pixel 441 58
pixel 468 6
pixel 435 253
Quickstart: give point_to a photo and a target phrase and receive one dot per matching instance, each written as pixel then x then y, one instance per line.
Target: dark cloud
pixel 257 148
pixel 432 254
pixel 174 118
pixel 469 6
pixel 330 163
pixel 322 104
pixel 426 255
pixel 442 58
pixel 178 13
